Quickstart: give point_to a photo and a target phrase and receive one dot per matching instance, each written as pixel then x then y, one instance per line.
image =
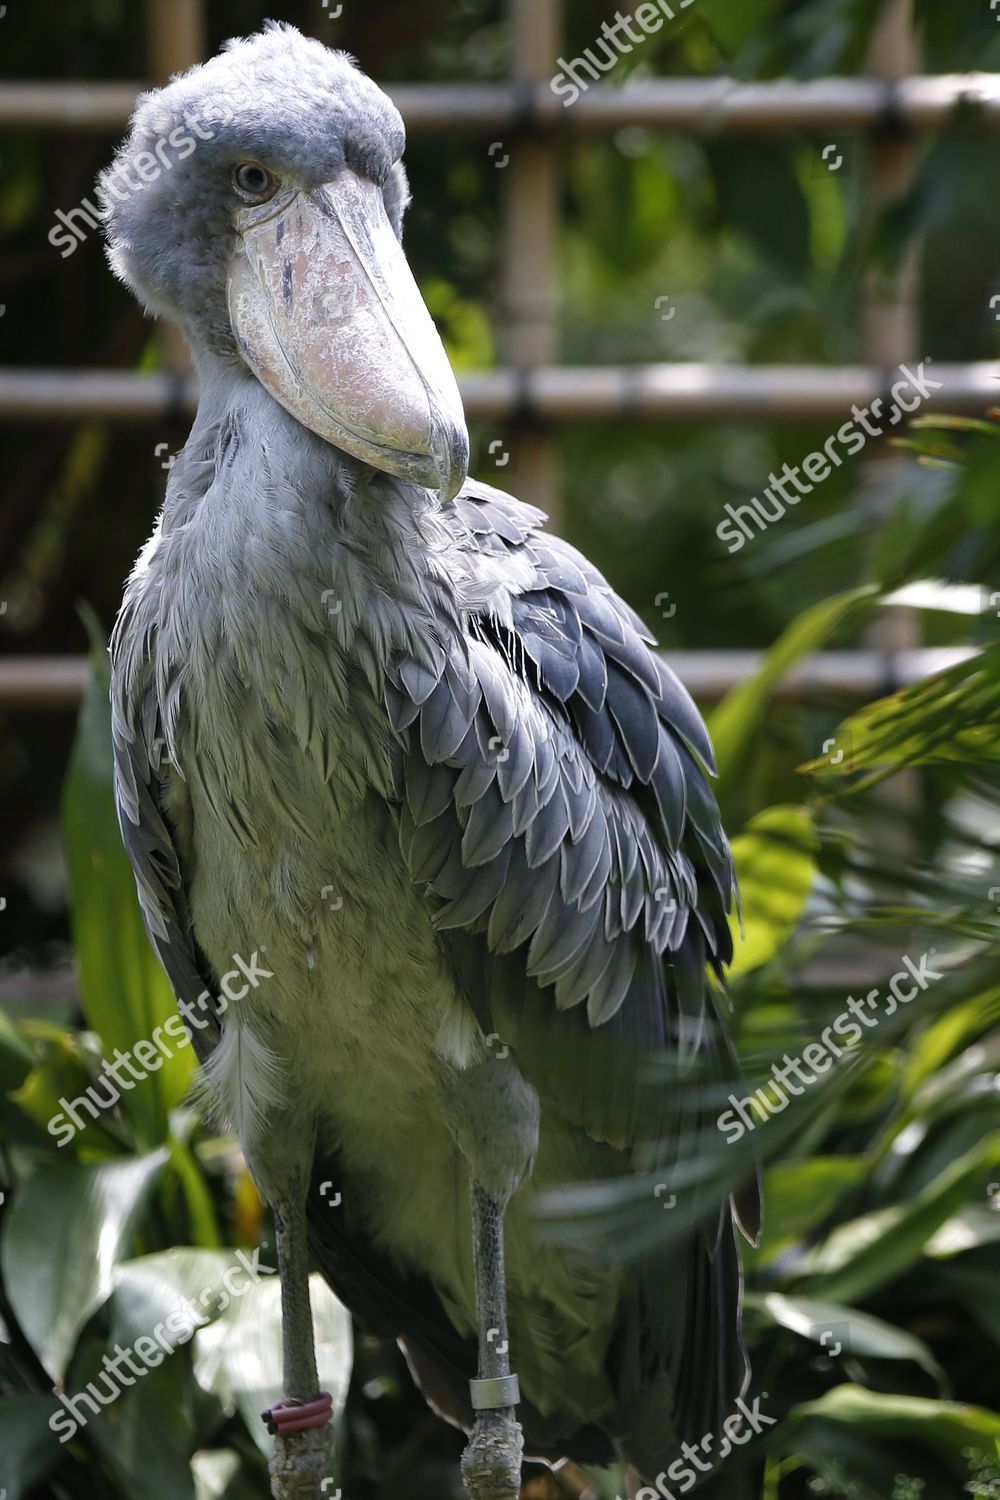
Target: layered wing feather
pixel 557 805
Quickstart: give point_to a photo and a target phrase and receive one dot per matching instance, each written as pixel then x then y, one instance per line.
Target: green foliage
pixel 775 864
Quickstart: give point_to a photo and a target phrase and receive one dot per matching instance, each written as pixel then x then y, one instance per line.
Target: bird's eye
pixel 254 182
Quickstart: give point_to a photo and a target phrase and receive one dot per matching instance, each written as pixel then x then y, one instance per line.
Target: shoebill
pixel 380 733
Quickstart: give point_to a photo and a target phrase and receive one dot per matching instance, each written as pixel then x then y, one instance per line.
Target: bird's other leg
pixel 299 1423
pixel 491 1463
pixel 493 1115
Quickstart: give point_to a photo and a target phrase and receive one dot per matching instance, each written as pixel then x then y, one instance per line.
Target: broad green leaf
pixel 238 1357
pixel 28 1446
pixel 124 992
pixel 159 1419
pixel 66 1229
pixel 736 722
pixel 965 1082
pixel 974 1225
pixel 61 1077
pixel 798 1195
pixel 776 864
pixel 865 1253
pixel 830 1324
pixel 202 1218
pixel 939 1042
pixel 181 1289
pixel 946 1426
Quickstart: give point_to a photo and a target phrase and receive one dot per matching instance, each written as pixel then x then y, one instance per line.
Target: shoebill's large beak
pixel 328 316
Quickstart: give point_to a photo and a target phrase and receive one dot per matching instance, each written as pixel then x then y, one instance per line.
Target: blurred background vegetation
pixel 873 1308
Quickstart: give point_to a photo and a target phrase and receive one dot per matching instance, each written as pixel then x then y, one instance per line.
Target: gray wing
pixel 557 810
pixel 138 741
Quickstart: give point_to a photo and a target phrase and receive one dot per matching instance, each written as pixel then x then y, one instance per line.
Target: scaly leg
pixel 299 1423
pixel 491 1463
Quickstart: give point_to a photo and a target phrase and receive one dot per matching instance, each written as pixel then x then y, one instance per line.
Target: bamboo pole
pixel 529 310
pixel 175 36
pixel 567 394
pixel 175 40
pixel 890 319
pixel 698 106
pixel 890 325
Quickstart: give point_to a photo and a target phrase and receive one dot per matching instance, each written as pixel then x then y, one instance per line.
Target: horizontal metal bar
pixel 659 392
pixel 35 682
pixel 705 106
pixel 43 681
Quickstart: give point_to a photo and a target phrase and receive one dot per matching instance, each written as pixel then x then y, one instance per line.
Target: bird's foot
pixel 285 1417
pixel 300 1468
pixel 491 1463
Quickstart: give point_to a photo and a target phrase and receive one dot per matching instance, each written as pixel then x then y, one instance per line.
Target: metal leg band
pixel 493 1395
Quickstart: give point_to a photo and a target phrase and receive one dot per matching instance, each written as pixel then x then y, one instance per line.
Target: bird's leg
pixel 491 1463
pixel 493 1115
pixel 299 1422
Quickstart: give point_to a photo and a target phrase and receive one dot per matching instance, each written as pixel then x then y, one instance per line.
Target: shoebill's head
pixel 258 203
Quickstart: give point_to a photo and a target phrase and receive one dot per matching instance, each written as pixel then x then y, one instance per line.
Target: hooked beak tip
pixel 451 459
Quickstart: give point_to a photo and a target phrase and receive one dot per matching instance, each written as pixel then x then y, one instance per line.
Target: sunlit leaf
pixel 946 1426
pixel 776 865
pixel 737 721
pixel 866 1252
pixel 838 1330
pixel 800 1194
pixel 66 1229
